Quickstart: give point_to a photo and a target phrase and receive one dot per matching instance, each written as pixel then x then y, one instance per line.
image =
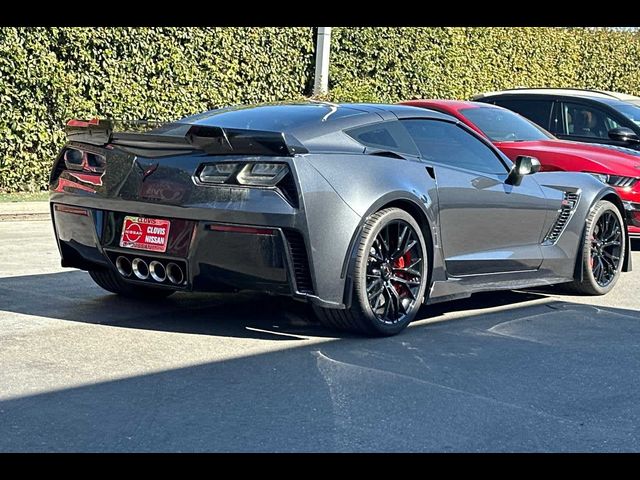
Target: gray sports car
pixel 366 211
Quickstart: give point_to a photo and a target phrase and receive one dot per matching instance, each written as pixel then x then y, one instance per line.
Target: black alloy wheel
pixel 606 247
pixel 603 250
pixel 394 271
pixel 389 274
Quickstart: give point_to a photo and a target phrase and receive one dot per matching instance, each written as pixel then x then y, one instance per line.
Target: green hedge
pixel 392 64
pixel 48 75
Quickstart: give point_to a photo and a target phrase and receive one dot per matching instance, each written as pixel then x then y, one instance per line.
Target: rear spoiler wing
pixel 157 136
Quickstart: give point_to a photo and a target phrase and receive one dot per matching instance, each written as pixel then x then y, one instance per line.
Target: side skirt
pixel 461 287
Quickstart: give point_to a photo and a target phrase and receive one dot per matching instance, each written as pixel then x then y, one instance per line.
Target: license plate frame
pixel 145 233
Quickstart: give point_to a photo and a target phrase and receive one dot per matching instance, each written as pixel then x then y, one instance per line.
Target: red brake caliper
pixel 402 262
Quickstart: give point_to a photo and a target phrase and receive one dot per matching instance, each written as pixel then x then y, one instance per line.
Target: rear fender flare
pixel 391 198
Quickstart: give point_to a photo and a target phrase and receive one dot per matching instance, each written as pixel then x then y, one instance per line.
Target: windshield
pixel 504 125
pixel 632 112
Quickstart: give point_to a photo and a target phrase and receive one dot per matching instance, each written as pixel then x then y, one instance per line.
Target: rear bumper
pixel 272 258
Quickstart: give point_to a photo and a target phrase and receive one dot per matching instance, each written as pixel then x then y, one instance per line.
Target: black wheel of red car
pixel 389 276
pixel 110 281
pixel 603 250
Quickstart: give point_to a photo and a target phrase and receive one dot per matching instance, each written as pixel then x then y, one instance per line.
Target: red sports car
pixel 514 135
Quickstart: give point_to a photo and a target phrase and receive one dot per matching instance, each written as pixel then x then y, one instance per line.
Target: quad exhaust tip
pixel 157 271
pixel 154 269
pixel 124 266
pixel 140 268
pixel 174 273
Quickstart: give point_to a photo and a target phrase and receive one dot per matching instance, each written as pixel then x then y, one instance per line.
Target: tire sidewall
pixel 600 208
pixel 361 269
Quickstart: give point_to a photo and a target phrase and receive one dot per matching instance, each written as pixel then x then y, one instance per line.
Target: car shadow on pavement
pixel 554 376
pixel 72 296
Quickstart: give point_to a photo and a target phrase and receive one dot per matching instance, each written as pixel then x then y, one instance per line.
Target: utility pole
pixel 323 46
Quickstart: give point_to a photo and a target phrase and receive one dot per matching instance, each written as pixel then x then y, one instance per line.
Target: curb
pixel 21 211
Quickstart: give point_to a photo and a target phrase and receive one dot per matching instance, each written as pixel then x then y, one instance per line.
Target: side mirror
pixel 623 134
pixel 524 165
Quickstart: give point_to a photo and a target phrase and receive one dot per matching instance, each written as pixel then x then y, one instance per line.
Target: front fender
pixel 570 243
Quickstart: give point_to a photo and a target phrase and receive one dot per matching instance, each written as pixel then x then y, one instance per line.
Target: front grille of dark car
pixel 300 259
pixel 569 203
pixel 287 187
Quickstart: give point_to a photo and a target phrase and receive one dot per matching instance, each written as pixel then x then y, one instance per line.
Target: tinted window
pixel 503 125
pixel 384 136
pixel 537 111
pixel 378 136
pixel 447 143
pixel 587 121
pixel 632 112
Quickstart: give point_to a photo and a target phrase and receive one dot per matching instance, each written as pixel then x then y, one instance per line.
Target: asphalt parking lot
pixel 83 370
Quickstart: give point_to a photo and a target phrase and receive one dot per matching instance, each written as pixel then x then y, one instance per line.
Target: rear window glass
pixel 384 136
pixel 272 118
pixel 376 136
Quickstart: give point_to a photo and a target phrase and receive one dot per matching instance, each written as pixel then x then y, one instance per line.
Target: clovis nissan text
pixel 367 211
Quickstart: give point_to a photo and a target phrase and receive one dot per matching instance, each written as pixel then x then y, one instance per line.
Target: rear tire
pixel 389 276
pixel 110 281
pixel 603 250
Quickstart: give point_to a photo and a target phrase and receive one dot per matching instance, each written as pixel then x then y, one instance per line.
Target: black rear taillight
pixel 78 160
pixel 82 160
pixel 251 174
pixel 74 158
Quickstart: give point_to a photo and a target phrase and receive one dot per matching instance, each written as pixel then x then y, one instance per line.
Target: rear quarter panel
pixel 366 183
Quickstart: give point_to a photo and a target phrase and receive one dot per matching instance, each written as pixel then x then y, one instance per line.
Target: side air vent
pixel 288 188
pixel 298 252
pixel 569 203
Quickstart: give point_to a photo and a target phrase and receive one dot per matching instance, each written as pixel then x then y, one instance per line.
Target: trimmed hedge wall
pixel 392 64
pixel 48 75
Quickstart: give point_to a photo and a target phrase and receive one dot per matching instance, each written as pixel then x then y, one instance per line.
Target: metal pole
pixel 323 45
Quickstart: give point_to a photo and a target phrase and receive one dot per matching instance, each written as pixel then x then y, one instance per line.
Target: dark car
pixel 580 115
pixel 514 135
pixel 365 211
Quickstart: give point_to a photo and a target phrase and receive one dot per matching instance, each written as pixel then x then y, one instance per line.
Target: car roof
pixel 399 110
pixel 600 95
pixel 449 105
pixel 307 120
